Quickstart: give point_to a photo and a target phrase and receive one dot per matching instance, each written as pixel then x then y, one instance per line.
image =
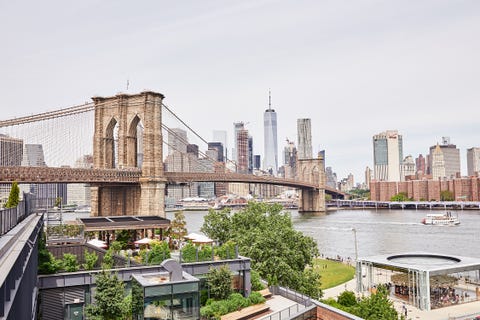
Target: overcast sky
pixel 356 68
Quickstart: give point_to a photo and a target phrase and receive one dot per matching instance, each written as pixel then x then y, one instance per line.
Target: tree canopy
pixel 110 300
pixel 265 233
pixel 400 197
pixel 374 307
pixel 14 197
pixel 178 226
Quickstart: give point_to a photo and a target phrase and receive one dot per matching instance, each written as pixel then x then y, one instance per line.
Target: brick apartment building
pixel 463 189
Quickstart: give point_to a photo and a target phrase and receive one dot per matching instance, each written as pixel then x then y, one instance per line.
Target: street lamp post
pixel 356 246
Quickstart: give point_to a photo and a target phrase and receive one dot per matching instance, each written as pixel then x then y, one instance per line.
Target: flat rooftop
pixel 123 223
pixel 435 264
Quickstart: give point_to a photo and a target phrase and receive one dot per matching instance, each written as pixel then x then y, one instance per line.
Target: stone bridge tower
pixel 313 171
pixel 128 134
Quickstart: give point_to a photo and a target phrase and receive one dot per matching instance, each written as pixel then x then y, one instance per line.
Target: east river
pixel 379 232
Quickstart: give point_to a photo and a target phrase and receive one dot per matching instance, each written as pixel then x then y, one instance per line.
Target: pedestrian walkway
pixel 461 311
pixel 281 308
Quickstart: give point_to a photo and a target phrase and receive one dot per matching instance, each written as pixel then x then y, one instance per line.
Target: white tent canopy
pixel 144 241
pixel 97 243
pixel 198 238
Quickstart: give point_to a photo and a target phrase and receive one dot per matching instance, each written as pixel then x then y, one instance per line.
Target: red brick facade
pixel 463 189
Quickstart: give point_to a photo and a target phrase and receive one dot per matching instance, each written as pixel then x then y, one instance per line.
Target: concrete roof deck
pixel 435 264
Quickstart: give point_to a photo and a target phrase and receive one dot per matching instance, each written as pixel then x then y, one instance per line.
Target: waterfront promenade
pixel 426 205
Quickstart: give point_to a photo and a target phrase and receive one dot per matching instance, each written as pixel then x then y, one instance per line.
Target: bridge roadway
pixel 130 176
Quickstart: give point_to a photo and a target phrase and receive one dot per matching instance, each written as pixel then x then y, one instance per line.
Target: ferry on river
pixel 441 219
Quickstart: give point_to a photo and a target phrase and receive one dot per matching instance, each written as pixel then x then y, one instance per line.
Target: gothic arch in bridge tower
pixel 111 150
pixel 129 112
pixel 133 142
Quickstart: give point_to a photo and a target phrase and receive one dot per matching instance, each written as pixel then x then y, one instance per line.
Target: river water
pixel 379 232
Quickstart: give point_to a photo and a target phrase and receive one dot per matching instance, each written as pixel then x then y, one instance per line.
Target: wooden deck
pixel 247 313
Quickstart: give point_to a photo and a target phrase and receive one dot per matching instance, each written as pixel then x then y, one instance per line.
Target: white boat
pixel 441 219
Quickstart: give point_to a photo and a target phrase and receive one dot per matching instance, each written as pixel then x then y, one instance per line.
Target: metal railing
pixel 286 313
pixel 10 217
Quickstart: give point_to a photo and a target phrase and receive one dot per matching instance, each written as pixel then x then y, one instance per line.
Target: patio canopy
pixel 144 241
pixel 97 243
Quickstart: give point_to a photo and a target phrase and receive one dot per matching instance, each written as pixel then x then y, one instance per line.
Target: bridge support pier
pixel 152 197
pixel 313 171
pixel 312 201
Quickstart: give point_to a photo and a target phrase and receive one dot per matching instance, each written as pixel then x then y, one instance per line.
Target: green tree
pixel 219 282
pixel 70 263
pixel 218 225
pixel 256 281
pixel 178 226
pixel 400 197
pixel 14 197
pixel 90 260
pixel 360 193
pixel 110 300
pixel 446 195
pixel 58 202
pixel 265 234
pixel 310 284
pixel 376 306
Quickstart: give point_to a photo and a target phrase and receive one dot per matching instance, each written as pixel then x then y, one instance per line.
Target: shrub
pixel 70 263
pixel 256 281
pixel 158 252
pixel 256 298
pixel 347 299
pixel 226 251
pixel 189 253
pixel 90 260
pixel 220 282
pixel 205 254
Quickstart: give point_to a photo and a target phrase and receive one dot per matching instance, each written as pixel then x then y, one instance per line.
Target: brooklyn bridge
pixel 121 183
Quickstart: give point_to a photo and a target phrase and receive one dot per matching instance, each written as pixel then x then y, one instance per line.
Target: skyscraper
pixel 473 161
pixel 218 146
pixel 33 156
pixel 420 165
pixel 221 136
pixel 331 178
pixel 177 141
pixel 270 138
pixel 242 151
pixel 368 177
pixel 304 135
pixel 438 163
pixel 250 154
pixel 290 159
pixel 451 159
pixel 256 162
pixel 237 126
pixel 11 151
pixel 387 155
pixel 408 167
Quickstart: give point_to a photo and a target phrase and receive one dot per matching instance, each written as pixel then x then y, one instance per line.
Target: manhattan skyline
pixel 355 69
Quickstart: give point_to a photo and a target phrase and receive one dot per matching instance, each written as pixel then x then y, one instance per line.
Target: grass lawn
pixel 334 273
